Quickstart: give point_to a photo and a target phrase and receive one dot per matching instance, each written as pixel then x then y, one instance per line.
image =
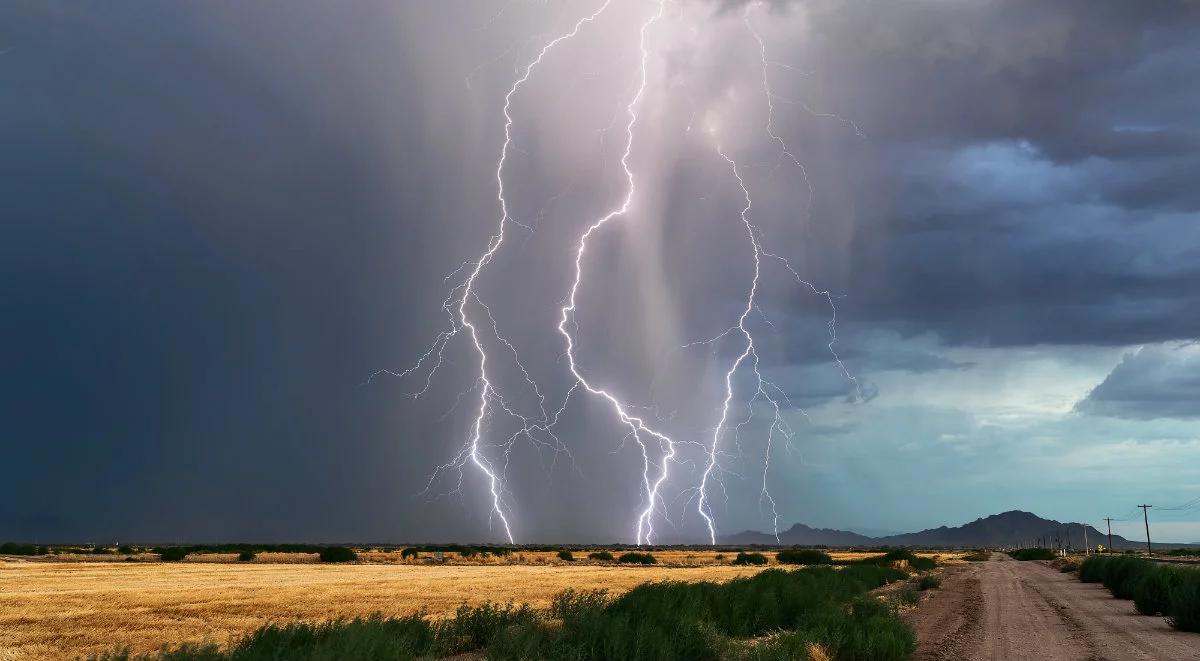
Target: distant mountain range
pixel 1006 529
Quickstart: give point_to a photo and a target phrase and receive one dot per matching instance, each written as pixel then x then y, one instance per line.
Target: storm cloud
pixel 220 221
pixel 1153 382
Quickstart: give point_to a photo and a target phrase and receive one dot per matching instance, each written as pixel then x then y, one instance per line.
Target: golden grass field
pixel 68 607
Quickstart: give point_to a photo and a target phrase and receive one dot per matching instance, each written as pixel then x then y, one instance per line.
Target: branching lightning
pixel 637 425
pixel 764 388
pixel 468 316
pixel 461 320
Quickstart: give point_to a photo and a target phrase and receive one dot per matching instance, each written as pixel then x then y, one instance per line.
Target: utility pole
pixel 1108 520
pixel 1085 542
pixel 1146 518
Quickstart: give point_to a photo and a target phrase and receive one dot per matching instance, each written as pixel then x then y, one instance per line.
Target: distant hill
pixel 801 535
pixel 1006 529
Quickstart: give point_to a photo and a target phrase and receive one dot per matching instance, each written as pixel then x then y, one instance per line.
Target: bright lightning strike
pixel 466 311
pixel 461 320
pixel 644 530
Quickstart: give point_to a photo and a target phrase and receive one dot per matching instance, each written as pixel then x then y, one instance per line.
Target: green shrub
pixel 172 553
pixel 125 549
pixel 11 548
pixel 1184 610
pixel 1091 570
pixel 1124 574
pixel 744 558
pixel 247 556
pixel 372 637
pixel 566 555
pixel 601 555
pixel 896 556
pixel 1152 594
pixel 410 552
pixel 929 583
pixel 338 554
pixel 868 632
pixel 474 627
pixel 908 596
pixel 1033 554
pixel 804 557
pixel 637 558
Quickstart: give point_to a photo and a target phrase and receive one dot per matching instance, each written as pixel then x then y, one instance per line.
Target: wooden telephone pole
pixel 1146 518
pixel 1108 520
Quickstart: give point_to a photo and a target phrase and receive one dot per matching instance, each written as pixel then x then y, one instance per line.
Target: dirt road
pixel 1005 610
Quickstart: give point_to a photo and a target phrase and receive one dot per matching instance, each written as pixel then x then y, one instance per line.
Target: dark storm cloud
pixel 1032 169
pixel 218 221
pixel 1153 382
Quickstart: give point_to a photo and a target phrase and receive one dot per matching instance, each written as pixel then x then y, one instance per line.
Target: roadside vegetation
pixel 804 557
pixel 1156 589
pixel 812 613
pixel 929 582
pixel 899 557
pixel 1032 554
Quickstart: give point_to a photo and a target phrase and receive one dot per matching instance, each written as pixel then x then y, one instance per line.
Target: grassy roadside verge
pixel 1155 589
pixel 815 613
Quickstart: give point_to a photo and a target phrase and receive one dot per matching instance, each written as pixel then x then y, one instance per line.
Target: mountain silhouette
pixel 1013 528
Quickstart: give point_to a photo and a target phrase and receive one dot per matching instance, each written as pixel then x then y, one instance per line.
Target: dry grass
pixel 57 610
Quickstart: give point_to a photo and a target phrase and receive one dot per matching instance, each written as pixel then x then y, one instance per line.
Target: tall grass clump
pixel 899 557
pixel 744 558
pixel 804 557
pixel 13 548
pixel 1152 593
pixel 1032 554
pixel 1091 570
pixel 172 553
pixel 1123 575
pixel 1183 611
pixel 869 631
pixel 637 558
pixel 603 556
pixel 338 554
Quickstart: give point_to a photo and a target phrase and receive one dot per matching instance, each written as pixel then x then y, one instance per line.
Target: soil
pixel 1006 610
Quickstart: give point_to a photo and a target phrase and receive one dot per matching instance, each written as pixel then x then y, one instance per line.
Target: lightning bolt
pixel 455 306
pixel 467 315
pixel 638 429
pixel 764 387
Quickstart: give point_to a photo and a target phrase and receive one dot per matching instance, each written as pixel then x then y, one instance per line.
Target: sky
pixel 221 221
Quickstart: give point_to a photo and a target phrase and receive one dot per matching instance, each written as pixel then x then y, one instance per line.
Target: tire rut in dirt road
pixel 947 625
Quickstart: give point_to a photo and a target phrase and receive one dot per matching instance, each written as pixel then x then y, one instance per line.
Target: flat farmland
pixel 64 609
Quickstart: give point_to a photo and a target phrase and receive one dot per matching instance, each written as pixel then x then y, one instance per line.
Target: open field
pixel 56 610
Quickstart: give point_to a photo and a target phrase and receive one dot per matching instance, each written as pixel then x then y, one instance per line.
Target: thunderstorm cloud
pixel 220 220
